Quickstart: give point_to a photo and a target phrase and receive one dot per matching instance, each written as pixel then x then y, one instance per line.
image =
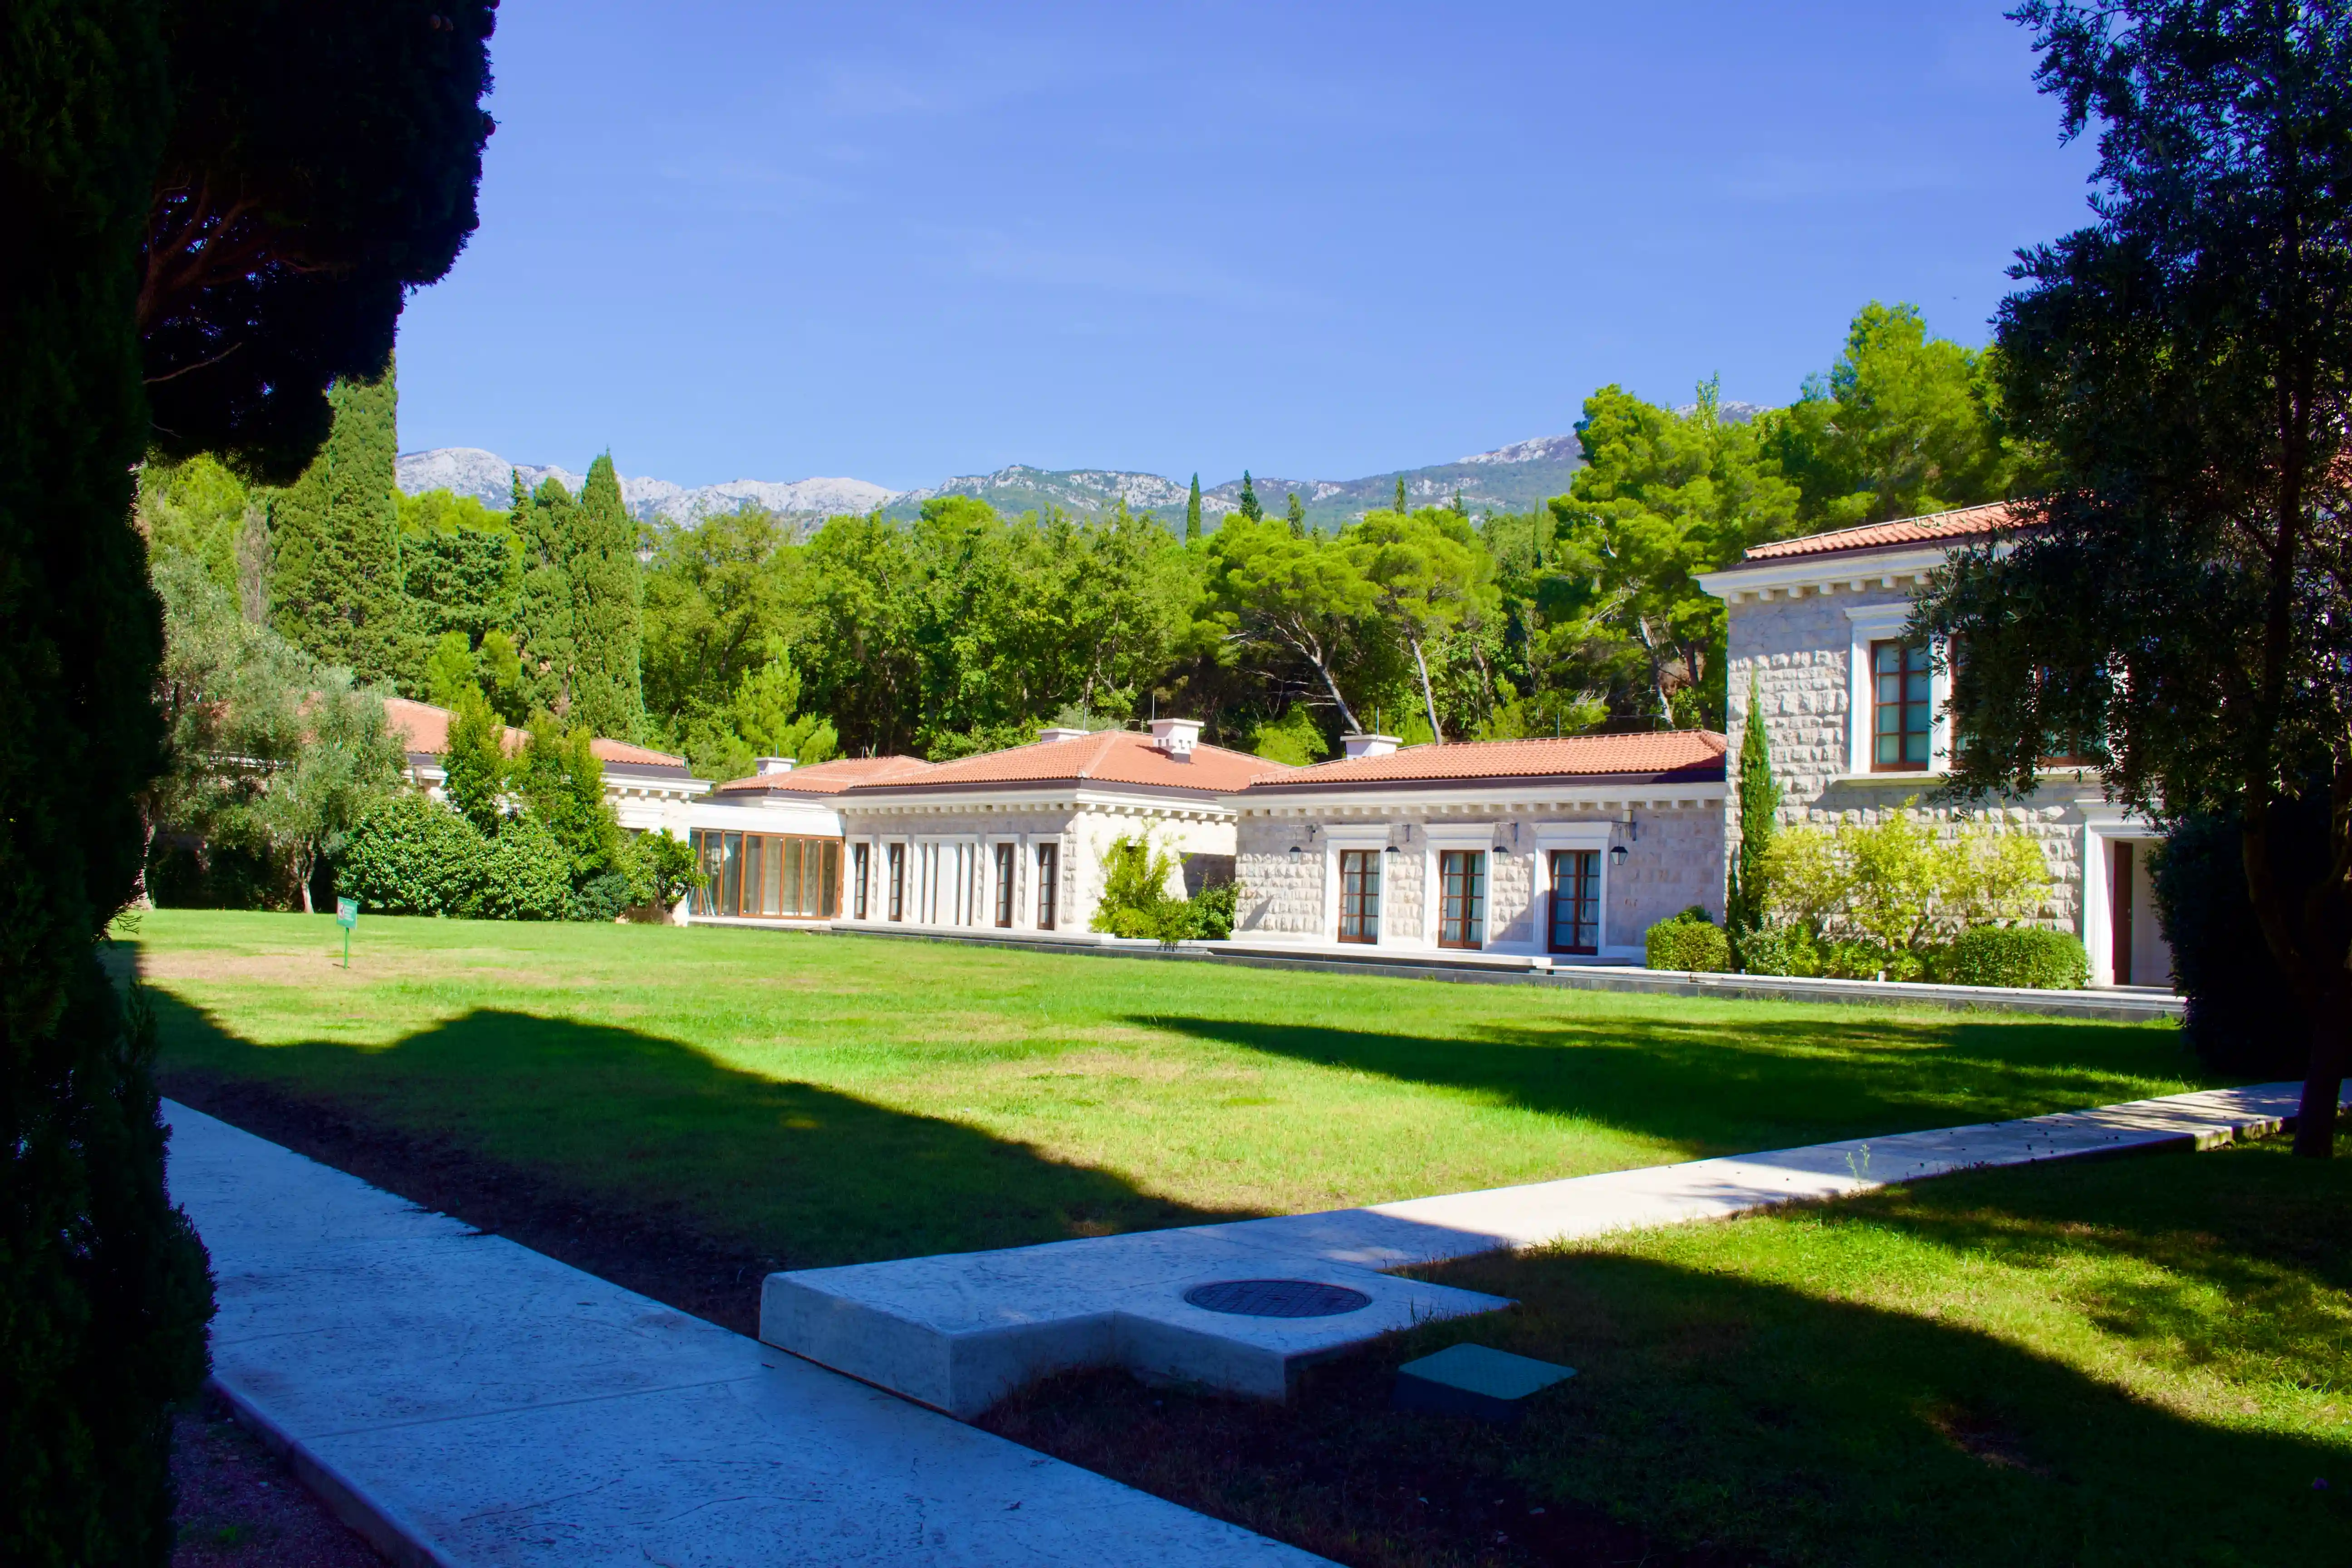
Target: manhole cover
pixel 1278 1299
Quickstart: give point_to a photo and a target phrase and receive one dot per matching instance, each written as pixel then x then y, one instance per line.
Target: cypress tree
pixel 607 694
pixel 1192 512
pixel 1401 503
pixel 1297 517
pixel 335 585
pixel 1760 800
pixel 543 522
pixel 1249 507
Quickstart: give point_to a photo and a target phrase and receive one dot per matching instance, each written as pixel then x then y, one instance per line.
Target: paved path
pixel 463 1400
pixel 962 1330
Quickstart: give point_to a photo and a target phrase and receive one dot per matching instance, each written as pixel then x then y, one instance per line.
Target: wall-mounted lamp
pixel 1617 855
pixel 1392 849
pixel 1296 852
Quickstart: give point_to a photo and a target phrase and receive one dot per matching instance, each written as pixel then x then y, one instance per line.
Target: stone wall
pixel 1798 652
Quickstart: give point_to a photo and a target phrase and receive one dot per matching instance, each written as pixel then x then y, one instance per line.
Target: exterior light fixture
pixel 1296 852
pixel 1617 855
pixel 1392 849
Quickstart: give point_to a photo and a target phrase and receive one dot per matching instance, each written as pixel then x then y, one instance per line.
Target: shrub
pixel 1689 942
pixel 1891 897
pixel 1781 949
pixel 604 897
pixel 1214 908
pixel 2242 1017
pixel 523 874
pixel 2024 956
pixel 411 856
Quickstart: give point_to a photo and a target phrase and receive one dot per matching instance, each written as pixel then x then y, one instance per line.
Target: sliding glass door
pixel 767 876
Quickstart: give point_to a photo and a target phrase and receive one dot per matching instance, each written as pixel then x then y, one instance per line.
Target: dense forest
pixel 964 629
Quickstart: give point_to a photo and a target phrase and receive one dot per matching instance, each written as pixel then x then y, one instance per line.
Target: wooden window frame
pixel 1360 896
pixel 1006 858
pixel 1585 869
pixel 1049 884
pixel 1904 705
pixel 1467 929
pixel 861 867
pixel 896 861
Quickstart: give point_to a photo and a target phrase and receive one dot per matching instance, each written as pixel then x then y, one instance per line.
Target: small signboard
pixel 347 912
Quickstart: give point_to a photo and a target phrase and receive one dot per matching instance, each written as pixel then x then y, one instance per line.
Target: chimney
pixel 773 765
pixel 1361 745
pixel 1177 737
pixel 1053 732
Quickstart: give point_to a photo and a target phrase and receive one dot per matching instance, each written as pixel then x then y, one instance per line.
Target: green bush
pixel 1214 908
pixel 2242 1017
pixel 2025 956
pixel 1787 949
pixel 602 898
pixel 523 874
pixel 1689 942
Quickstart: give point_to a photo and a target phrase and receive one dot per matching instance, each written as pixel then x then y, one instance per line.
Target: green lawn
pixel 819 1100
pixel 2125 1362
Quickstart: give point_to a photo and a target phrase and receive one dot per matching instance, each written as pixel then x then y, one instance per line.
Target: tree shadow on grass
pixel 585 1139
pixel 1798 1388
pixel 1766 1083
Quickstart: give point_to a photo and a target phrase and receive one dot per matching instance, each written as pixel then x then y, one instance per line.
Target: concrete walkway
pixel 462 1400
pixel 960 1332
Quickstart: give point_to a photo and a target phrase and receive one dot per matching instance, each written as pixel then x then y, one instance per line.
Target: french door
pixel 1461 897
pixel 1575 901
pixel 1359 895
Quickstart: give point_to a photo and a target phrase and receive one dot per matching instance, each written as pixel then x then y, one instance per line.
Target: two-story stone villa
pixel 1856 718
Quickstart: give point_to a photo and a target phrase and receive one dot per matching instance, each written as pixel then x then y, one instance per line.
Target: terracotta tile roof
pixel 1964 523
pixel 827 778
pixel 1106 757
pixel 426 729
pixel 1670 755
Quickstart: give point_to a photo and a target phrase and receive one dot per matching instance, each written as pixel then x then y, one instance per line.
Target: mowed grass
pixel 821 1099
pixel 2122 1362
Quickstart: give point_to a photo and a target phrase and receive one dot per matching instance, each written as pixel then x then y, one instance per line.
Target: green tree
pixel 462 567
pixel 1302 599
pixel 476 767
pixel 1249 511
pixel 1759 805
pixel 1297 517
pixel 212 213
pixel 2183 609
pixel 336 590
pixel 1663 497
pixel 544 523
pixel 1903 424
pixel 314 757
pixel 1428 572
pixel 719 601
pixel 607 692
pixel 562 785
pixel 1192 512
pixel 1403 505
pixel 198 508
pixel 860 600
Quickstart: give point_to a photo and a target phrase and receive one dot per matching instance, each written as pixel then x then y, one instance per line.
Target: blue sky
pixel 900 242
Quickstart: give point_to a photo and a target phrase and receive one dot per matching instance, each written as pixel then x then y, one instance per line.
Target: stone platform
pixel 960 1331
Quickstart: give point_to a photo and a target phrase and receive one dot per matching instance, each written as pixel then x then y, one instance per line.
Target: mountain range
pixel 1508 478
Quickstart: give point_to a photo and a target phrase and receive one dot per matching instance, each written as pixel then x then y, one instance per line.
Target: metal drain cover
pixel 1276 1298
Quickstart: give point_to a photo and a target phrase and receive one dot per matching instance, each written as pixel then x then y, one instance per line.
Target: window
pixel 861 867
pixel 898 881
pixel 1049 878
pixel 1359 895
pixel 1004 885
pixel 1899 707
pixel 1461 897
pixel 1575 901
pixel 767 876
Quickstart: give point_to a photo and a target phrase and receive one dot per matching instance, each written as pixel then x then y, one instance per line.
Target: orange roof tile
pixel 1964 523
pixel 426 729
pixel 1695 755
pixel 1106 757
pixel 827 778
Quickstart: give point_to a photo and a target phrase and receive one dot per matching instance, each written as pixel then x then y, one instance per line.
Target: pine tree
pixel 1759 800
pixel 335 587
pixel 1249 508
pixel 1297 517
pixel 1192 512
pixel 608 692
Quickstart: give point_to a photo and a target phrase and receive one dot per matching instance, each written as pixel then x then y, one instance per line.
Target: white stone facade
pixel 948 849
pixel 1671 839
pixel 1802 627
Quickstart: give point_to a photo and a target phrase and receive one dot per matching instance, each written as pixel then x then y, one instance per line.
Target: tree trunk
pixel 2314 1124
pixel 303 877
pixel 1428 699
pixel 1347 714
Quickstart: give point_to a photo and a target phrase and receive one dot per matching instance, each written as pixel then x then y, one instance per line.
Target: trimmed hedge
pixel 2022 956
pixel 1688 941
pixel 411 856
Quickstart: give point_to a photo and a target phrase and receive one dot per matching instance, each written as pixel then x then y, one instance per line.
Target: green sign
pixel 347 912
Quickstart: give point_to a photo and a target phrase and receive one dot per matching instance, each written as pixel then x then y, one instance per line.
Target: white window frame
pixel 1437 839
pixel 1886 623
pixel 1552 835
pixel 1366 835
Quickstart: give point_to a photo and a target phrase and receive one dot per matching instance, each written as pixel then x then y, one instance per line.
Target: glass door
pixel 1004 885
pixel 1359 895
pixel 1575 901
pixel 1461 897
pixel 1049 878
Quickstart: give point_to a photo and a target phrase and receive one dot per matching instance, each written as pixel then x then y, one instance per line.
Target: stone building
pixel 1014 839
pixel 769 845
pixel 1570 848
pixel 1854 715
